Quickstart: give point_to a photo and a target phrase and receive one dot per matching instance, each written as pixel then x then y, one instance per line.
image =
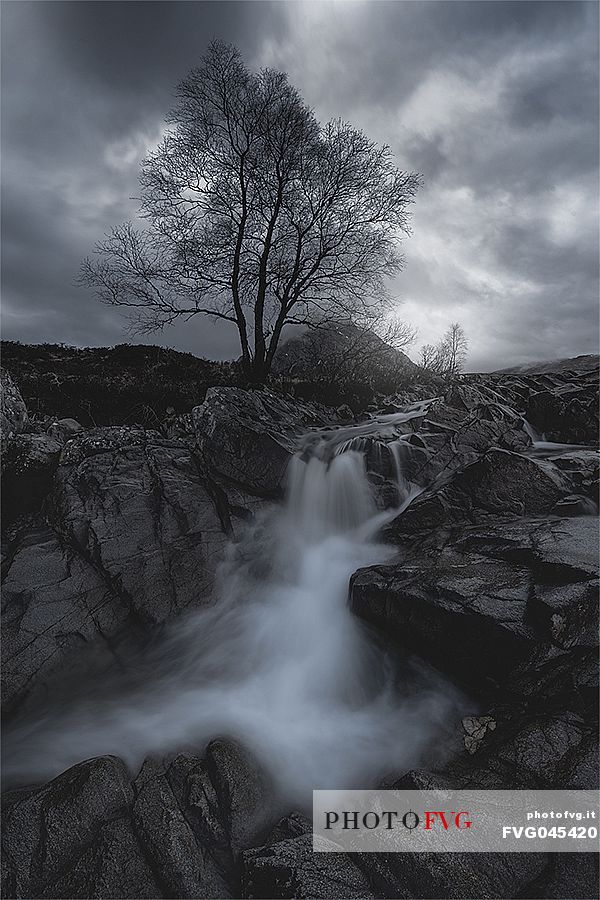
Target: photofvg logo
pixel 455 821
pixel 389 819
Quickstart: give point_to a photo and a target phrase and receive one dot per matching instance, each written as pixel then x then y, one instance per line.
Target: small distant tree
pixel 447 357
pixel 455 349
pixel 256 214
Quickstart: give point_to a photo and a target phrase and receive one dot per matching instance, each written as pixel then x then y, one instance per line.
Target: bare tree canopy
pixel 448 356
pixel 257 214
pixel 455 345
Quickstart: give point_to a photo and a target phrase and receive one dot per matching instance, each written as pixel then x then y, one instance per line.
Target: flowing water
pixel 543 448
pixel 278 662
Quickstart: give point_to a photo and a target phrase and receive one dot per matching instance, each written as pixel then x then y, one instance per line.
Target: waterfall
pixel 329 499
pixel 278 662
pixel 532 432
pixel 406 490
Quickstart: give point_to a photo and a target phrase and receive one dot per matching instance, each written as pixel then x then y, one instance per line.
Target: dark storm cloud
pixel 86 87
pixel 495 103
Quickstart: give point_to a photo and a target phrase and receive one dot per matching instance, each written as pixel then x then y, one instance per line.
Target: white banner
pixel 470 821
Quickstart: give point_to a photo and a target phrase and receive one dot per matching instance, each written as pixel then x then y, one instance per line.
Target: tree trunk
pixel 256 371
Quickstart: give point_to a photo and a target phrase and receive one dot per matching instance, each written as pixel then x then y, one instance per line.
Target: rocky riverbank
pixel 113 532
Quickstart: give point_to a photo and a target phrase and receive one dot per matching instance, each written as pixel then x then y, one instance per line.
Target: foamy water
pixel 279 662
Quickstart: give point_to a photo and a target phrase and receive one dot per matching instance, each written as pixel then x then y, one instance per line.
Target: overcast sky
pixel 495 103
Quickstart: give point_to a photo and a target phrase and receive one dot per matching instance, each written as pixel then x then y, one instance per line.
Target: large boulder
pixel 136 532
pixel 47 830
pixel 144 514
pixel 248 437
pixel 510 610
pixel 55 604
pixel 467 615
pixel 498 483
pixel 474 427
pixel 176 831
pixel 481 607
pixel 290 868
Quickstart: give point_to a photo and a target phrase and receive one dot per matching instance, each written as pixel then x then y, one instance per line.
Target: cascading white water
pixel 279 662
pixel 407 491
pixel 328 499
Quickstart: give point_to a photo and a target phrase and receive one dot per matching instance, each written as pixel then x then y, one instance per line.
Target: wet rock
pixel 291 869
pixel 568 876
pixel 481 605
pixel 248 437
pixel 541 747
pixel 136 535
pixel 453 875
pixel 474 429
pixel 143 514
pixel 54 605
pixel 243 791
pixel 499 483
pixel 115 866
pixel 96 441
pixel 195 816
pixel 162 828
pixel 575 505
pixel 529 748
pixel 64 429
pixel 177 831
pixel 568 413
pixel 13 412
pixel 580 769
pixel 290 826
pixel 229 802
pixel 48 830
pixel 582 469
pixel 467 616
pixel 32 454
pixel 533 651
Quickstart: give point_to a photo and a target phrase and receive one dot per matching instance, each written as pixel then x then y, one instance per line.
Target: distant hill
pixel 341 350
pixel 584 363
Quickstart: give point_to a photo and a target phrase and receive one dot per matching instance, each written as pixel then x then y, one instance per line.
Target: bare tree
pixel 455 346
pixel 256 214
pixel 447 357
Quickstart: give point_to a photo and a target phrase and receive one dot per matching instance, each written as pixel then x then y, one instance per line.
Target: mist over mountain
pixel 585 363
